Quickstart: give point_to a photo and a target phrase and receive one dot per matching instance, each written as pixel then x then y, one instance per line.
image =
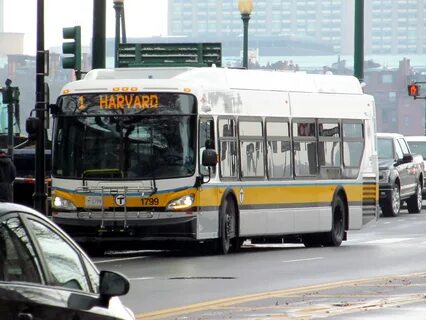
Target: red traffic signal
pixel 413 90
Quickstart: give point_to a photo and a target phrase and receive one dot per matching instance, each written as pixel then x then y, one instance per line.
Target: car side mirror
pixel 112 284
pixel 209 158
pixel 407 158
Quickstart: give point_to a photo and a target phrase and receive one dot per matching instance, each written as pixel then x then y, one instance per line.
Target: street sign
pixel 169 54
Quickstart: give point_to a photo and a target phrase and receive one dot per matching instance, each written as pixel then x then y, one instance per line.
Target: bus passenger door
pixel 207 222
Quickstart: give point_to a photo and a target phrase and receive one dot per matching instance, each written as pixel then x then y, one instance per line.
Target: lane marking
pixel 120 259
pixel 387 241
pixel 226 302
pixel 141 278
pixel 299 260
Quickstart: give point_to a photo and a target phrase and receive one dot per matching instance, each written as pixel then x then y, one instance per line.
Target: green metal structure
pixel 169 55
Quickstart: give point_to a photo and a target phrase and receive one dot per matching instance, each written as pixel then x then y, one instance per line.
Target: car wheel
pixel 414 204
pixel 392 206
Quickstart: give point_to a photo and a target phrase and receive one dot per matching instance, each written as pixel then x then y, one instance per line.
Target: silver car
pixel 45 275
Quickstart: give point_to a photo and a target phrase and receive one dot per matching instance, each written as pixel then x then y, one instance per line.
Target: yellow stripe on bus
pixel 250 195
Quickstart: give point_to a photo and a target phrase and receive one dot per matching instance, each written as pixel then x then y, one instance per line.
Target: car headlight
pixel 62 204
pixel 384 175
pixel 182 203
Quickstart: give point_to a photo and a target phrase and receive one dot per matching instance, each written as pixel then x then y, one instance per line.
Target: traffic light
pixel 72 48
pixel 413 90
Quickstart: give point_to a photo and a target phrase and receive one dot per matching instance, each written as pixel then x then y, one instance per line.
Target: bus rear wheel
pixel 335 237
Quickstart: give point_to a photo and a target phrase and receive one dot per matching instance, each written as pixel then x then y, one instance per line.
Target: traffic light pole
pixel 40 196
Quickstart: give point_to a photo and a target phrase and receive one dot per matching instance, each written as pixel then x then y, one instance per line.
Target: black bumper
pixel 131 230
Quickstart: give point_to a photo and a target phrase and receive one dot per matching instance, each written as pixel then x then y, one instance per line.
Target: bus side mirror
pixel 32 125
pixel 54 109
pixel 209 158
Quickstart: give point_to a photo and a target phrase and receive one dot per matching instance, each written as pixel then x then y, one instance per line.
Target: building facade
pixel 391 26
pixel 395 110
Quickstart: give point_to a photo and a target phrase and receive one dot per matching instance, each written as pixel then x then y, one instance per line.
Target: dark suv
pixel 45 275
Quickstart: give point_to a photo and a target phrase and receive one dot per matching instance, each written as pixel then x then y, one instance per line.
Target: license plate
pixel 93 202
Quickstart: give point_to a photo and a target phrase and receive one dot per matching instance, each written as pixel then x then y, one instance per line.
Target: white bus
pixel 213 156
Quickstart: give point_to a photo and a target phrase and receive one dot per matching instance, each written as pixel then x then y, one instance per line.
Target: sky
pixel 143 18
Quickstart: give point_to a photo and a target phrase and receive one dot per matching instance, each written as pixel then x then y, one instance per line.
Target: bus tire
pixel 227 226
pixel 414 203
pixel 335 237
pixel 93 249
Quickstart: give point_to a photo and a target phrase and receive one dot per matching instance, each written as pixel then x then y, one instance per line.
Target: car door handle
pixel 25 316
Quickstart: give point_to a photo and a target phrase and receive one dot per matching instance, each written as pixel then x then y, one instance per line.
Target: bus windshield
pixel 116 146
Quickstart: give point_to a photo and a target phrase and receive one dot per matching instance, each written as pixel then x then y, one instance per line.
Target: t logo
pixel 120 200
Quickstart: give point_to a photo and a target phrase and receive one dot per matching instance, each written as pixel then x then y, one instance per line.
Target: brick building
pixel 396 111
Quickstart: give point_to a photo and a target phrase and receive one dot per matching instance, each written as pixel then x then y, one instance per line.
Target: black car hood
pixel 386 164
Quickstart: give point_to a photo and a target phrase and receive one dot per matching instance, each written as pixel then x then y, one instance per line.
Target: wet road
pixel 386 249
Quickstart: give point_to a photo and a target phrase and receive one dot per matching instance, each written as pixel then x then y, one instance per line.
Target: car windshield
pixel 385 148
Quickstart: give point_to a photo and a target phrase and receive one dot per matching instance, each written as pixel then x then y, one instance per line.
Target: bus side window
pixel 228 149
pixel 207 141
pixel 305 149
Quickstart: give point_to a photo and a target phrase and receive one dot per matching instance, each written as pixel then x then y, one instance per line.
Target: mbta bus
pixel 214 156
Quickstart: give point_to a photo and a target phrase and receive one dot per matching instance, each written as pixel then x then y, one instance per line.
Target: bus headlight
pixel 182 203
pixel 62 204
pixel 384 176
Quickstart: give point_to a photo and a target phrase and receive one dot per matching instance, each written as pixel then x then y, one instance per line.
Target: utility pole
pixel 98 45
pixel 40 107
pixel 359 40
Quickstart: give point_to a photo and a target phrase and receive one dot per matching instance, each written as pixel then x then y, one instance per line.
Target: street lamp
pixel 119 8
pixel 245 7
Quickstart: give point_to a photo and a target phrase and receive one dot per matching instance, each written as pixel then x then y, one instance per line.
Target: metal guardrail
pixel 169 55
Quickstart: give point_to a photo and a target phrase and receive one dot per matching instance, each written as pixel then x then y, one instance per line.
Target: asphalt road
pixel 382 250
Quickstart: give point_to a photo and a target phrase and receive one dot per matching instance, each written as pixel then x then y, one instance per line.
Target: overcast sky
pixel 143 18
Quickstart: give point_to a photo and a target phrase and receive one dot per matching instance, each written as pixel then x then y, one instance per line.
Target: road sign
pixel 169 54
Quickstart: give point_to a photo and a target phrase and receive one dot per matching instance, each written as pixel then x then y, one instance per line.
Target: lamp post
pixel 99 26
pixel 118 6
pixel 245 7
pixel 359 40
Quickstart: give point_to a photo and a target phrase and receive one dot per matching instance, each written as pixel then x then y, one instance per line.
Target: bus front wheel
pixel 227 226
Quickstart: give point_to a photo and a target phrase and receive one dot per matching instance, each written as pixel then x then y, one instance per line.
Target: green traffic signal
pixel 72 48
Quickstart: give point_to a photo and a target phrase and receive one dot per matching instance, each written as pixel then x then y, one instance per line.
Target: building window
pixel 387 78
pixel 392 96
pixel 406 121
